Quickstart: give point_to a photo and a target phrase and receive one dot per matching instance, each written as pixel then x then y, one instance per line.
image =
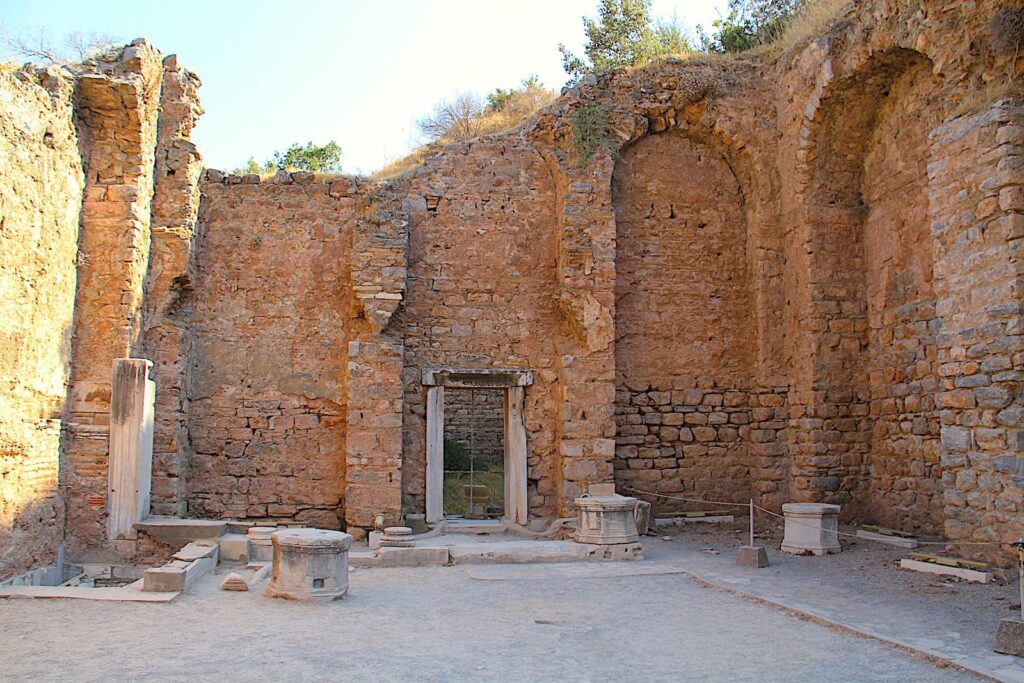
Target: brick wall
pixel 476 418
pixel 267 411
pixel 482 259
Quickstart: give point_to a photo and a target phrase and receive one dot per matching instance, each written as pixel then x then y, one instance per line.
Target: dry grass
pixel 414 159
pixel 979 98
pixel 812 21
pixel 492 123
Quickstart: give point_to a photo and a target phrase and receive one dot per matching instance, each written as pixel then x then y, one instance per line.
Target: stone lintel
pixel 476 378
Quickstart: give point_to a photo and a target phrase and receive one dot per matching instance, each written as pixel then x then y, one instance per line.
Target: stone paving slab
pixel 876 602
pixel 84 593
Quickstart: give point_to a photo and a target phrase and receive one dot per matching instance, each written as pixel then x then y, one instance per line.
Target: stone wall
pixel 976 186
pixel 793 279
pixel 476 419
pixel 40 196
pixel 266 416
pixel 482 269
pixel 902 323
pixel 683 322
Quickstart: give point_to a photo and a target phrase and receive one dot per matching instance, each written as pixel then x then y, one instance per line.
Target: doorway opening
pixel 510 385
pixel 474 453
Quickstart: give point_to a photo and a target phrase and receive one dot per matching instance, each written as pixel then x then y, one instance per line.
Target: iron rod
pixel 751 522
pixel 1020 574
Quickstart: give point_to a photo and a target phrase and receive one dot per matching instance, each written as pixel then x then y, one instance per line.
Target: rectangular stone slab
pixel 898 541
pixel 972 575
pixel 125 594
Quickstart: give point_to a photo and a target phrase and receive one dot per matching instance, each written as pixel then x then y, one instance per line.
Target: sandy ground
pixel 523 623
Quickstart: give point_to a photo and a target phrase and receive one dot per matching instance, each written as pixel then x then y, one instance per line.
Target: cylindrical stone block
pixel 811 527
pixel 606 520
pixel 309 565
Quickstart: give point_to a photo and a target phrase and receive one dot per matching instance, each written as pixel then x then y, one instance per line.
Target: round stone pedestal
pixel 811 527
pixel 605 520
pixel 310 565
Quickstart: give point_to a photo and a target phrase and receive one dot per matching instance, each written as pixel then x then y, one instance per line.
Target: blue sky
pixel 358 72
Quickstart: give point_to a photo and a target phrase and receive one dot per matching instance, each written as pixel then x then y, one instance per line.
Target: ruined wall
pixel 976 191
pixel 118 107
pixel 683 323
pixel 167 338
pixel 902 324
pixel 267 411
pixel 482 275
pixel 794 278
pixel 40 195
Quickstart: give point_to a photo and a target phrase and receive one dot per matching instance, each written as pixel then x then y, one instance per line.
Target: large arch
pixel 870 440
pixel 685 334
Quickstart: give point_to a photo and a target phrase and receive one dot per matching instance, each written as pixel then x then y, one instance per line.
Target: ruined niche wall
pixel 118 107
pixel 902 324
pixel 167 340
pixel 267 412
pixel 482 289
pixel 40 196
pixel 684 344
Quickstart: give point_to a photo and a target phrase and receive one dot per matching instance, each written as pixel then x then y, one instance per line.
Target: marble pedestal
pixel 811 527
pixel 606 520
pixel 310 565
pixel 261 545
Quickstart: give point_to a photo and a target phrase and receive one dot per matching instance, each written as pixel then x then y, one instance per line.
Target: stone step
pixel 177 532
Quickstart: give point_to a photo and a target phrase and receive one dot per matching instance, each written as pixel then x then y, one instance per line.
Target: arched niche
pixel 872 306
pixel 685 328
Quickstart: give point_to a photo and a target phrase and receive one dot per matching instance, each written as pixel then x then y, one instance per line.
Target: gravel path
pixel 439 624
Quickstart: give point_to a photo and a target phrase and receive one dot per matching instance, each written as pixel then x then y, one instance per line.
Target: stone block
pixel 166 579
pixel 234 548
pixel 811 528
pixel 972 575
pixel 898 541
pixel 310 565
pixel 1010 638
pixel 607 520
pixel 412 557
pixel 755 557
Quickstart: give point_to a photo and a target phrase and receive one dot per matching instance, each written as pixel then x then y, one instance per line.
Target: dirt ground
pixel 507 623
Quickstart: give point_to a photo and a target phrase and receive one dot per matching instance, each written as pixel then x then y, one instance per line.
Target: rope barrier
pixel 810 526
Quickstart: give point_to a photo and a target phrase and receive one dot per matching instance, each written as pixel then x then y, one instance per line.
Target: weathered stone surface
pixel 1010 638
pixel 794 279
pixel 754 557
pixel 310 565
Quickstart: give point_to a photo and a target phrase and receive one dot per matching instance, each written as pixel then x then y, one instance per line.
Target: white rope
pixel 810 526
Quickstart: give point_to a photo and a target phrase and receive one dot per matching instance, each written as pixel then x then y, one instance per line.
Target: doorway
pixel 485 479
pixel 474 453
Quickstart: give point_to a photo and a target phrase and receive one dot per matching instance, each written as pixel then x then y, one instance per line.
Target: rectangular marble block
pixel 811 528
pixel 972 575
pixel 898 541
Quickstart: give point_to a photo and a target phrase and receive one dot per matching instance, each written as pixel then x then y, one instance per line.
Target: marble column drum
pixel 310 565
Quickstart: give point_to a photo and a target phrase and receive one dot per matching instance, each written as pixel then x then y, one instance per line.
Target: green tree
pixel 623 35
pixel 308 157
pixel 749 23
